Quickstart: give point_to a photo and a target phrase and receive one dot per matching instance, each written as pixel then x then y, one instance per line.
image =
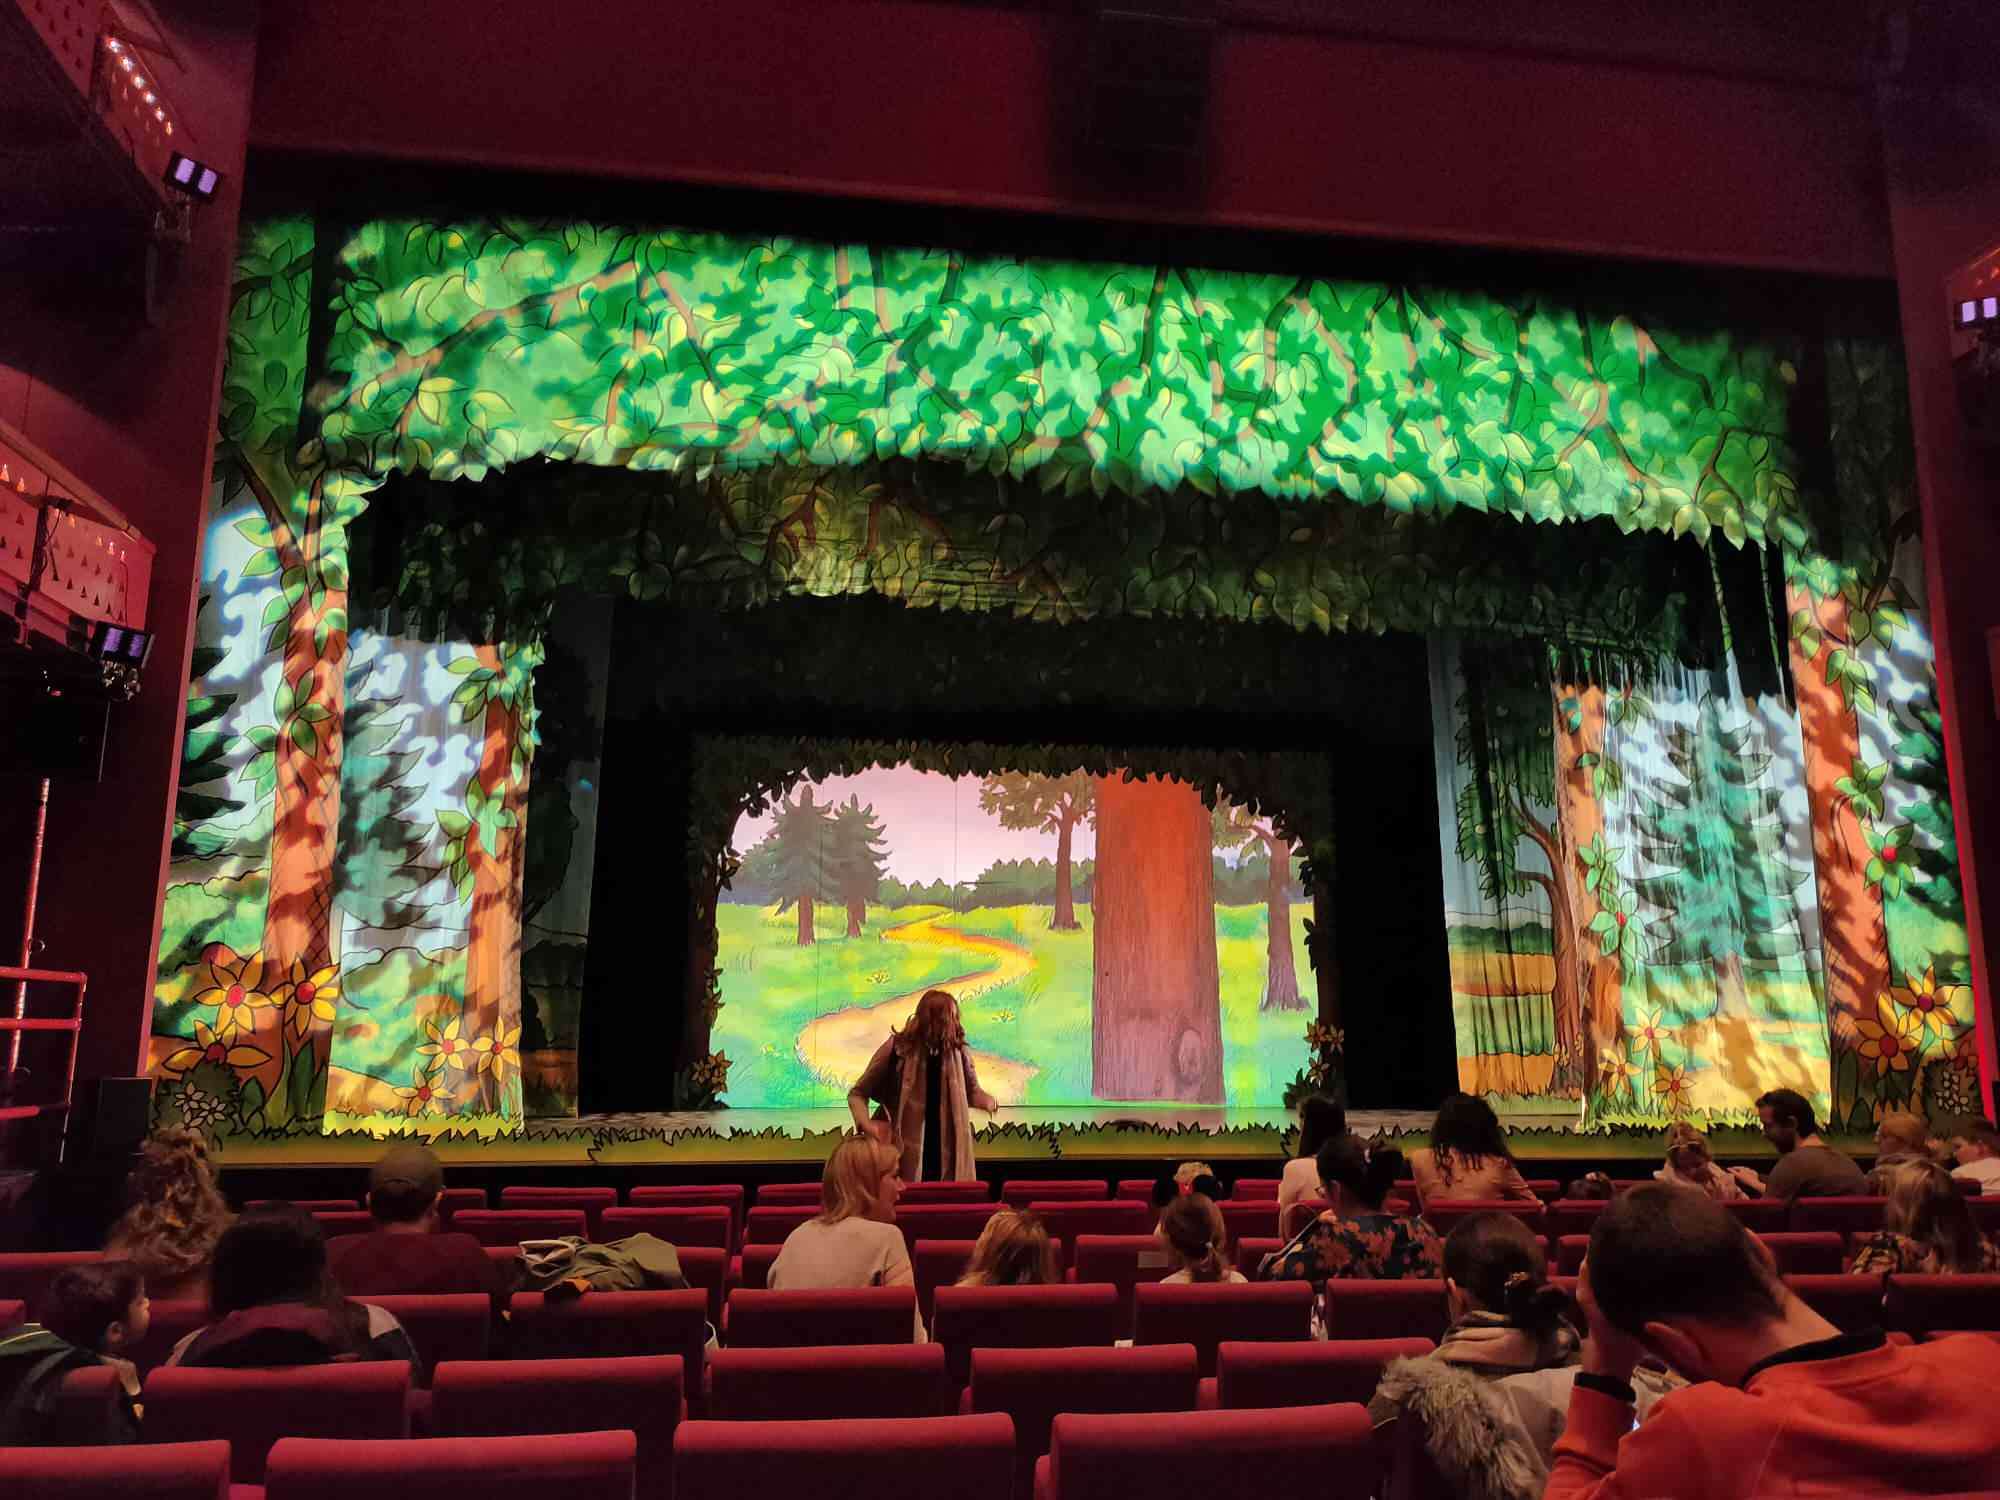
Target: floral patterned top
pixel 1377 1246
pixel 1898 1252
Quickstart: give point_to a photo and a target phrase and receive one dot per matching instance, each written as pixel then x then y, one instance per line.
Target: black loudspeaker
pixel 118 1113
pixel 1149 81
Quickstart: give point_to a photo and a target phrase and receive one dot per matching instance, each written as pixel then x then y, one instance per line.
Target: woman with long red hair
pixel 923 1075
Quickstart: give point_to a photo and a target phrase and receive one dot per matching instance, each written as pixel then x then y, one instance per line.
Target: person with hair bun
pixel 174 1217
pixel 1360 1238
pixel 1492 1398
pixel 1197 1241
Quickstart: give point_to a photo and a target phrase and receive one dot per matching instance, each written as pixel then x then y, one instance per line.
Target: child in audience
pixel 1197 1241
pixel 1467 1159
pixel 853 1241
pixel 1361 1239
pixel 1902 1137
pixel 1014 1249
pixel 1976 1149
pixel 1690 1166
pixel 275 1304
pixel 1927 1228
pixel 175 1216
pixel 95 1315
pixel 1188 1177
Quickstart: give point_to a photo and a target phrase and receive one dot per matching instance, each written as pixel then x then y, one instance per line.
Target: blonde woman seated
pixel 1197 1241
pixel 1900 1139
pixel 853 1241
pixel 1927 1228
pixel 1690 1166
pixel 1014 1249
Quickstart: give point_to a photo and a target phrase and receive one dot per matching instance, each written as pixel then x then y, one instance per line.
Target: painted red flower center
pixel 235 995
pixel 1924 1003
pixel 215 1052
pixel 448 1047
pixel 424 1094
pixel 1889 853
pixel 1891 1044
pixel 306 993
pixel 1620 919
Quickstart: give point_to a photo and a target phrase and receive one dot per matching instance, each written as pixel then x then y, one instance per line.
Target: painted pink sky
pixel 934 826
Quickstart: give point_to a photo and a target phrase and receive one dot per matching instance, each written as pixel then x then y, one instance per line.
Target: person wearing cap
pixel 407 1252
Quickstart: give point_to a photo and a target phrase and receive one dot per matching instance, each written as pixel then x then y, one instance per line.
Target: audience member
pixel 1493 1397
pixel 95 1315
pixel 1197 1241
pixel 1807 1167
pixel 1360 1240
pixel 275 1304
pixel 1467 1159
pixel 1014 1249
pixel 1189 1177
pixel 1976 1149
pixel 1320 1120
pixel 1785 1403
pixel 173 1218
pixel 1902 1137
pixel 853 1241
pixel 1926 1227
pixel 407 1252
pixel 1592 1187
pixel 1690 1166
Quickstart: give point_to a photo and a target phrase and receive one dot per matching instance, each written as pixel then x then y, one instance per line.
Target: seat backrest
pixel 1213 1453
pixel 1020 1192
pixel 1123 1261
pixel 84 1408
pixel 309 1205
pixel 1250 1218
pixel 788 1194
pixel 1296 1217
pixel 827 1315
pixel 1853 1214
pixel 1206 1313
pixel 884 1458
pixel 1443 1215
pixel 12 1310
pixel 1986 1212
pixel 1573 1216
pixel 943 1221
pixel 592 1200
pixel 1807 1254
pixel 1570 1251
pixel 1066 1218
pixel 1544 1188
pixel 252 1409
pixel 514 1226
pixel 769 1225
pixel 149 1471
pixel 456 1199
pixel 24 1274
pixel 456 1325
pixel 708 1268
pixel 729 1195
pixel 583 1466
pixel 1765 1215
pixel 708 1225
pixel 938 1263
pixel 1929 1304
pixel 173 1319
pixel 1849 1303
pixel 642 1394
pixel 1308 1372
pixel 1362 1309
pixel 334 1222
pixel 1255 1187
pixel 859 1380
pixel 756 1264
pixel 947 1192
pixel 1033 1385
pixel 1022 1317
pixel 603 1325
pixel 1139 1189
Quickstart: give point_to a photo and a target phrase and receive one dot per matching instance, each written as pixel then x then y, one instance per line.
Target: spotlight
pixel 119 643
pixel 192 177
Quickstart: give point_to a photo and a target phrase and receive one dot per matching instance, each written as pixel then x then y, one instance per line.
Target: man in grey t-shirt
pixel 1807 1167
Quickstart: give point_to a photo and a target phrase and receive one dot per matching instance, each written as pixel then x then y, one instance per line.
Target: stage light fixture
pixel 119 643
pixel 192 177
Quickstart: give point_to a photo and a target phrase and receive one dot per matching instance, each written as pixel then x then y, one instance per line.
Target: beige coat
pixel 894 1078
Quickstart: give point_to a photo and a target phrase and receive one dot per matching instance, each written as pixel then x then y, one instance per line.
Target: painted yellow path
pixel 837 1046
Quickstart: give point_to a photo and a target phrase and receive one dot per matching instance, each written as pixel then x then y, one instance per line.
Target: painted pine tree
pixel 803 835
pixel 855 866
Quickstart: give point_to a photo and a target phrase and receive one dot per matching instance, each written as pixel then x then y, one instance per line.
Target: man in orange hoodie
pixel 1786 1403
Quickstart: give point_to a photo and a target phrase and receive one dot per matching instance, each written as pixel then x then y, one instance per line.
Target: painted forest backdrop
pixel 1680 863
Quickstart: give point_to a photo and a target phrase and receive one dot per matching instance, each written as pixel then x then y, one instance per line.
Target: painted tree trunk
pixel 1566 989
pixel 1580 819
pixel 1732 995
pixel 1853 942
pixel 1064 919
pixel 857 912
pixel 805 921
pixel 493 949
pixel 1281 973
pixel 1156 1010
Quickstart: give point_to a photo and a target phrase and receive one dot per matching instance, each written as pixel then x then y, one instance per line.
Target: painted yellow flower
pixel 425 1095
pixel 212 1047
pixel 1617 1069
pixel 1943 1012
pixel 1675 1089
pixel 1649 1033
pixel 1892 1041
pixel 498 1052
pixel 446 1046
pixel 309 998
pixel 235 987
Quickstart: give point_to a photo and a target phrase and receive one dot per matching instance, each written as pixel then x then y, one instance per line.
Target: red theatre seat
pixel 1218 1455
pixel 1206 1313
pixel 1305 1209
pixel 1986 1212
pixel 505 1398
pixel 154 1471
pixel 1033 1386
pixel 606 1325
pixel 1250 1218
pixel 1545 1188
pixel 1255 1187
pixel 708 1268
pixel 457 1325
pixel 12 1310
pixel 583 1466
pixel 943 1221
pixel 861 1380
pixel 455 1200
pixel 334 1222
pixel 1361 1309
pixel 1850 1215
pixel 788 1194
pixel 765 1225
pixel 1123 1261
pixel 1022 1317
pixel 516 1226
pixel 1570 1251
pixel 1311 1373
pixel 842 1315
pixel 937 1263
pixel 1765 1215
pixel 729 1195
pixel 24 1274
pixel 1022 1192
pixel 755 1269
pixel 1926 1304
pixel 1568 1217
pixel 309 1205
pixel 1442 1216
pixel 708 1226
pixel 947 1192
pixel 1803 1254
pixel 83 1411
pixel 885 1458
pixel 1140 1189
pixel 1847 1302
pixel 173 1320
pixel 253 1409
pixel 592 1200
pixel 1065 1219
